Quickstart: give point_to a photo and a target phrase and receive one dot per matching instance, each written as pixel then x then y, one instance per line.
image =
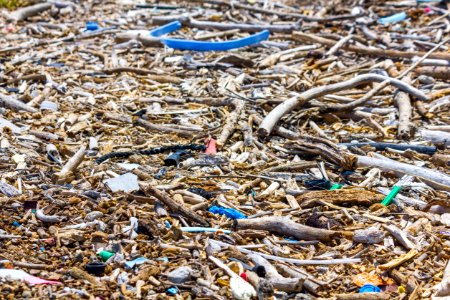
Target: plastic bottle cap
pixel 369 288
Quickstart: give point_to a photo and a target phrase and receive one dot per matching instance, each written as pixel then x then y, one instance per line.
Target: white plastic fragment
pixel 128 167
pixel 48 105
pixel 127 182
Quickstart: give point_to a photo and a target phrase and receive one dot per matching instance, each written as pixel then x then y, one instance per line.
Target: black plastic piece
pixel 202 192
pixel 174 158
pixel 95 268
pixel 159 150
pixel 317 184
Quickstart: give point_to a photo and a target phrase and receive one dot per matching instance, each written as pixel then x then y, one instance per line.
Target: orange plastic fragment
pixel 366 278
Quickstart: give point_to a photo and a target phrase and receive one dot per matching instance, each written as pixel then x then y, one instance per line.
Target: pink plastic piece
pixel 36 280
pixel 211 147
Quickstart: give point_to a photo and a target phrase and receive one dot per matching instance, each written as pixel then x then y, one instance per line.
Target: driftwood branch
pixel 394 54
pixel 400 236
pixel 279 282
pixel 293 260
pixel 282 14
pixel 231 122
pixel 278 112
pixel 403 103
pixel 309 285
pixel 68 169
pixel 172 204
pixel 399 260
pixel 7 101
pixel 433 178
pixel 29 11
pixel 242 27
pixel 163 128
pixel 285 226
pixel 435 72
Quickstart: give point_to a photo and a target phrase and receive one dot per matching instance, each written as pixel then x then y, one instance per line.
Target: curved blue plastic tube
pixel 165 29
pixel 216 46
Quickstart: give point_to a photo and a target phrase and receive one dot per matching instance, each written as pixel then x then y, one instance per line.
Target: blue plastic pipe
pixel 165 29
pixel 393 19
pixel 216 46
pixel 182 44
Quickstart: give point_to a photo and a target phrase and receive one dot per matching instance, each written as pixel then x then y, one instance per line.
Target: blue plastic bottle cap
pixel 369 288
pixel 91 26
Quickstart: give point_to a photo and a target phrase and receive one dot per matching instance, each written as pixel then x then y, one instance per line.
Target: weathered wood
pixel 172 204
pixel 287 227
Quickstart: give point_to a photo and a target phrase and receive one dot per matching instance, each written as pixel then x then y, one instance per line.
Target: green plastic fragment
pixel 388 200
pixel 335 186
pixel 105 255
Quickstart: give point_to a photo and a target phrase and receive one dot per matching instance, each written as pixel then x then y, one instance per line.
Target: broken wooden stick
pixel 7 101
pixel 433 178
pixel 403 103
pixel 70 166
pixel 172 204
pixel 377 52
pixel 163 128
pixel 319 19
pixel 399 260
pixel 435 72
pixel 309 285
pixel 279 282
pixel 285 226
pixel 293 260
pixel 400 236
pixel 29 11
pixel 231 122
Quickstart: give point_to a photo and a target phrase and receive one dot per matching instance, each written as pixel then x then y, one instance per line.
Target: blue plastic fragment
pixel 92 26
pixel 216 46
pixel 393 19
pixel 173 290
pixel 138 261
pixel 16 224
pixel 167 223
pixel 369 288
pixel 229 212
pixel 165 29
pixel 182 44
